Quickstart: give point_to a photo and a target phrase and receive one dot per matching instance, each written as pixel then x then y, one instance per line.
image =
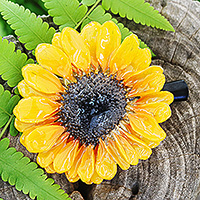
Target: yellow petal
pixel 162 96
pixel 159 110
pixel 116 153
pixel 105 166
pixel 27 91
pixel 75 47
pixel 146 126
pixel 124 54
pixel 130 153
pixel 140 61
pixel 35 109
pixel 89 34
pixel 149 84
pixel 108 40
pixel 22 126
pixel 70 179
pixel 96 179
pixel 65 158
pixel 45 158
pixel 41 79
pixel 141 148
pixel 56 41
pixel 131 81
pixel 43 138
pixel 49 169
pixel 54 60
pixel 25 133
pixel 73 170
pixel 86 168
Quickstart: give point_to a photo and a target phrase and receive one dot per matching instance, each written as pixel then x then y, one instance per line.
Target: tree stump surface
pixel 173 170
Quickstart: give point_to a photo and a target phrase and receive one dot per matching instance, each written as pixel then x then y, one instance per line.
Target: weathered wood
pixel 173 171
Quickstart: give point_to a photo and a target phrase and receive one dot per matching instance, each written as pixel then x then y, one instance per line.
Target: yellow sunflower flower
pixel 91 103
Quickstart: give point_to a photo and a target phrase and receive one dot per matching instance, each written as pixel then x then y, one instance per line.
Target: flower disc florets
pixel 91 103
pixel 92 107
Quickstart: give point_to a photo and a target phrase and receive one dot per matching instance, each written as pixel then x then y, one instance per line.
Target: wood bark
pixel 173 170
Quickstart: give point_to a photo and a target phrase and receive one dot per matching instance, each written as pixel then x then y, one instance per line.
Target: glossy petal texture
pixel 73 180
pixel 45 158
pixel 143 151
pixel 105 166
pixel 54 59
pixel 41 79
pixel 35 109
pixel 108 40
pixel 49 169
pixel 43 138
pixel 75 47
pixel 27 91
pixel 115 151
pixel 146 82
pixel 22 126
pixel 140 61
pixel 89 34
pixel 146 126
pixel 96 179
pixel 25 133
pixel 131 155
pixel 124 54
pixel 86 168
pixel 65 157
pixel 131 81
pixel 159 110
pixel 162 96
pixel 147 142
pixel 56 41
pixel 79 154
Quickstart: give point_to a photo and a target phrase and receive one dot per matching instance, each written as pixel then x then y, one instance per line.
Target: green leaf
pixel 11 62
pixel 26 176
pixel 7 104
pixel 65 13
pixel 139 11
pixel 30 29
pixel 88 2
pixel 13 131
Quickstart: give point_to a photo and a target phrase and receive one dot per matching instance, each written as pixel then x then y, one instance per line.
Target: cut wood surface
pixel 173 170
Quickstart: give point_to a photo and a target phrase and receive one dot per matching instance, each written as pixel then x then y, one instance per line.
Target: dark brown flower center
pixel 92 107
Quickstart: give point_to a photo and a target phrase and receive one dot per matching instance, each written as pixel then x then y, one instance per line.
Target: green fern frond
pixel 30 29
pixel 65 13
pixel 139 11
pixel 26 176
pixel 7 104
pixel 11 62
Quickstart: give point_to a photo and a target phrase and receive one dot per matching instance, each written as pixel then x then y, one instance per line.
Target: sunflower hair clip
pixel 92 103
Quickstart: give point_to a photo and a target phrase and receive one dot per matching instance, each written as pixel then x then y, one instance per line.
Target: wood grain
pixel 173 170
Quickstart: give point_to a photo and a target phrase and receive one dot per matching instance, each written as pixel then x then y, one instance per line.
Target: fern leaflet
pixel 26 176
pixel 65 13
pixel 139 11
pixel 88 2
pixel 11 62
pixel 31 30
pixel 7 104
